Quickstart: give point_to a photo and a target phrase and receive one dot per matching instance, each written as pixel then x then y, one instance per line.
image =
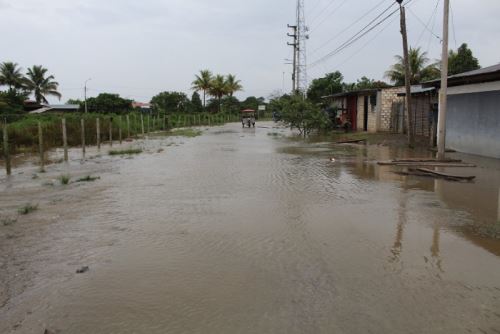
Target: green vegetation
pixel 129 151
pixel 64 179
pixel 462 60
pixel 88 178
pixel 27 209
pixel 190 133
pixel 217 86
pixel 421 69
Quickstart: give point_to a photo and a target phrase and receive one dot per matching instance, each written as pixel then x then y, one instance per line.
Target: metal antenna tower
pixel 302 37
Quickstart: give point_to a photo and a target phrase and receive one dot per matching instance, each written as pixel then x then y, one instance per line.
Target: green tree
pixel 420 68
pixel 366 83
pixel 218 88
pixel 11 102
pixel 170 102
pixel 252 102
pixel 301 114
pixel 11 76
pixel 196 103
pixel 231 104
pixel 203 82
pixel 330 84
pixel 232 85
pixel 462 60
pixel 41 85
pixel 109 103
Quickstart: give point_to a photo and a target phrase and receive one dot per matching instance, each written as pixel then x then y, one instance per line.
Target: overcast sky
pixel 139 48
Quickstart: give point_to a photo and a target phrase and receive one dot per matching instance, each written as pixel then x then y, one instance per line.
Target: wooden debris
pixel 425 164
pixel 352 141
pixel 426 160
pixel 423 172
pixel 446 175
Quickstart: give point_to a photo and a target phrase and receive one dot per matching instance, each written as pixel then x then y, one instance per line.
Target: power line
pixel 453 25
pixel 360 34
pixel 348 27
pixel 425 25
pixel 322 11
pixel 328 15
pixel 431 18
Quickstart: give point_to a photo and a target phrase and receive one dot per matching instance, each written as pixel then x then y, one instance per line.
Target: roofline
pixel 354 92
pixel 465 79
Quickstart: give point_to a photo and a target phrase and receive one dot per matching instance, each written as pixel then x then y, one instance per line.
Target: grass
pixel 129 151
pixel 64 179
pixel 190 133
pixel 8 221
pixel 27 209
pixel 88 178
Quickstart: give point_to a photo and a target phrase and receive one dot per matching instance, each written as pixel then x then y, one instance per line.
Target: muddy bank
pixel 248 231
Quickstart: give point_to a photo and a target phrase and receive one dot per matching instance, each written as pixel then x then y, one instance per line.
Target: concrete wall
pixel 473 122
pixel 388 96
pixel 372 114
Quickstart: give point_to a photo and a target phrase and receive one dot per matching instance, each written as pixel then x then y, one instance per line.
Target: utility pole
pixel 85 93
pixel 302 37
pixel 443 92
pixel 294 64
pixel 409 118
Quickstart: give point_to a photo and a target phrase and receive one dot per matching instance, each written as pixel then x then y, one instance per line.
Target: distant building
pixel 473 116
pixel 144 107
pixel 56 108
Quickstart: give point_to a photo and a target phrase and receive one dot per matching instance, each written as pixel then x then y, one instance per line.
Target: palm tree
pixel 420 68
pixel 233 85
pixel 203 82
pixel 218 88
pixel 40 85
pixel 11 75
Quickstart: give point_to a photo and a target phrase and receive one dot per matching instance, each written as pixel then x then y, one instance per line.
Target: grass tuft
pixel 8 221
pixel 126 152
pixel 190 133
pixel 27 209
pixel 88 178
pixel 64 179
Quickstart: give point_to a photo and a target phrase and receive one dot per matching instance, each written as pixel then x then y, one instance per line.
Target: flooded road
pixel 246 231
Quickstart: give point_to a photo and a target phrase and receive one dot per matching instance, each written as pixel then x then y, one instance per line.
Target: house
pixel 367 110
pixel 424 103
pixel 56 108
pixel 143 107
pixel 473 114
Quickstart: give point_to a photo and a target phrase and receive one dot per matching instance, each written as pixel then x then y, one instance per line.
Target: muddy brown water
pixel 246 231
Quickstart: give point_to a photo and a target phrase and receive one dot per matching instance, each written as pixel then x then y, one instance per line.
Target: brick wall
pixel 388 97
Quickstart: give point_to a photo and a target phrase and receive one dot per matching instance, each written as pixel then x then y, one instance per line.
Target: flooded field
pixel 248 231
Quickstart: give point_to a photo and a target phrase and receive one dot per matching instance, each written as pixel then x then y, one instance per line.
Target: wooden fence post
pixel 164 122
pixel 148 119
pixel 111 131
pixel 142 124
pixel 6 148
pixel 128 126
pixel 83 137
pixel 65 139
pixel 120 128
pixel 40 147
pixel 98 130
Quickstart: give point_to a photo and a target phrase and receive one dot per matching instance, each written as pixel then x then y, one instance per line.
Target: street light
pixel 85 93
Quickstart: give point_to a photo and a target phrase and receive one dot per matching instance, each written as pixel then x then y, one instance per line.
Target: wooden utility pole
pixel 409 118
pixel 443 92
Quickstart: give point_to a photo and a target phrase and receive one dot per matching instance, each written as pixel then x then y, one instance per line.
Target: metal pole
pixel 443 92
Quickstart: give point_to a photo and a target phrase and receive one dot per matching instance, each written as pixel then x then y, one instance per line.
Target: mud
pixel 248 231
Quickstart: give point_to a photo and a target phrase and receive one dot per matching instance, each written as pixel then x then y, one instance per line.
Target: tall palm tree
pixel 11 75
pixel 233 85
pixel 203 82
pixel 420 69
pixel 40 85
pixel 218 88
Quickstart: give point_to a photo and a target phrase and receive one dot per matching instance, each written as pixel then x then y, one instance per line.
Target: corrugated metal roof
pixel 486 74
pixel 418 89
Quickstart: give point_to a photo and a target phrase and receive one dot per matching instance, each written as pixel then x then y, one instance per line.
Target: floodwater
pixel 247 231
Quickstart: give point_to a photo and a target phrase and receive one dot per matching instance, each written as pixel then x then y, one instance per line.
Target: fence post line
pixel 120 128
pixel 40 147
pixel 83 136
pixel 164 122
pixel 98 134
pixel 65 139
pixel 128 126
pixel 147 123
pixel 6 148
pixel 111 131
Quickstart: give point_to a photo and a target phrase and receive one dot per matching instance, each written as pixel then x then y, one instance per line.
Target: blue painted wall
pixel 473 123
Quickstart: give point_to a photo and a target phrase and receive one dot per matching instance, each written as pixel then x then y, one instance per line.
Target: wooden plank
pixel 425 164
pixel 433 172
pixel 354 141
pixel 427 160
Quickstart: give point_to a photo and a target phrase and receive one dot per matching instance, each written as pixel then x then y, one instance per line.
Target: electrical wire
pixel 322 11
pixel 328 16
pixel 360 34
pixel 453 25
pixel 348 27
pixel 426 26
